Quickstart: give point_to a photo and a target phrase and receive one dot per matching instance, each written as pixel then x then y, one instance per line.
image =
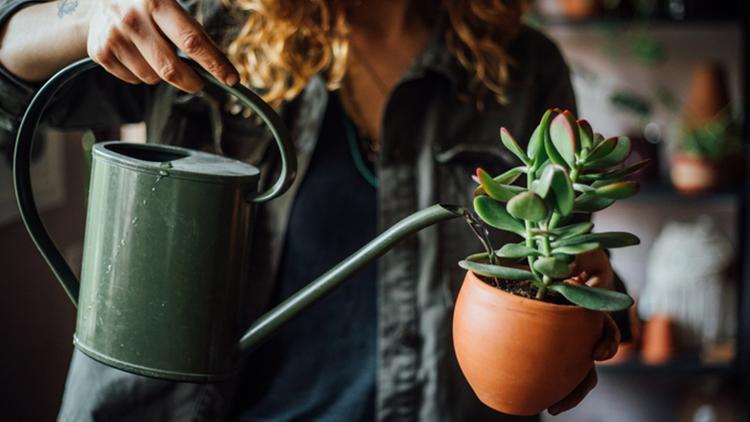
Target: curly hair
pixel 284 43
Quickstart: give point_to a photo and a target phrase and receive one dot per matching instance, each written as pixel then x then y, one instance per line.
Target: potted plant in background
pixel 707 156
pixel 709 150
pixel 524 327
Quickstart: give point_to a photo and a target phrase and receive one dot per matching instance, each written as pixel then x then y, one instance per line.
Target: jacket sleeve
pixel 93 100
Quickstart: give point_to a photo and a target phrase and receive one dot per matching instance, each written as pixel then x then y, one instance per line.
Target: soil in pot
pixel 521 355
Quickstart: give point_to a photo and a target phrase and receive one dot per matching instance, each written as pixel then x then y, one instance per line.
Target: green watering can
pixel 166 248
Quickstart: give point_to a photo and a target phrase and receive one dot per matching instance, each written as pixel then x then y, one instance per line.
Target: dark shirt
pixel 322 365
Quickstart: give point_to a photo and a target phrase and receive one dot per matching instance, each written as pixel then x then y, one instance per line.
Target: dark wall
pixel 36 318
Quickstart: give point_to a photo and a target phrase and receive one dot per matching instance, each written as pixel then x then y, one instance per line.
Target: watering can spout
pixel 270 322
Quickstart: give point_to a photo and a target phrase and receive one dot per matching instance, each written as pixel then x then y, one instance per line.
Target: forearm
pixel 40 39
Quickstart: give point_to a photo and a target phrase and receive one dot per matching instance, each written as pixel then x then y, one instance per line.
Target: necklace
pixel 369 141
pixel 356 151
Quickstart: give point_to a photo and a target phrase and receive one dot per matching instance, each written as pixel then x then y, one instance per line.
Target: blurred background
pixel 671 74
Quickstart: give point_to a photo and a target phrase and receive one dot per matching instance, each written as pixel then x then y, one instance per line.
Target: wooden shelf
pixel 607 22
pixel 681 366
pixel 663 192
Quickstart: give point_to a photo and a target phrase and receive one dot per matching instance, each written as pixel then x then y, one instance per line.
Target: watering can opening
pixel 178 162
pixel 146 152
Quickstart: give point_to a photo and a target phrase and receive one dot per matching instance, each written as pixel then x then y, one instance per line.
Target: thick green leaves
pixel 589 202
pixel 617 155
pixel 618 190
pixel 552 267
pixel 513 146
pixel 564 136
pixel 542 185
pixel 573 230
pixel 580 187
pixel 552 153
pixel 576 249
pixel 494 214
pixel 567 258
pixel 489 270
pixel 527 206
pixel 536 143
pixel 563 189
pixel 555 178
pixel 617 173
pixel 601 149
pixel 516 250
pixel 511 175
pixel 607 240
pixel 585 134
pixel 593 298
pixel 496 190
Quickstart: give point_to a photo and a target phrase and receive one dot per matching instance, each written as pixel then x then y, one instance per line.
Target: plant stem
pixel 543 289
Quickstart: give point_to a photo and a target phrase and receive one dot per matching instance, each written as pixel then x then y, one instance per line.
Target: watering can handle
pixel 25 139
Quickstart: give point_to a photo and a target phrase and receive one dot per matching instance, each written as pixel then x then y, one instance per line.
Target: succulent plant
pixel 570 170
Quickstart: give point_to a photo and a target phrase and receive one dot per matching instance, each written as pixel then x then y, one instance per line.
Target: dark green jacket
pixel 433 138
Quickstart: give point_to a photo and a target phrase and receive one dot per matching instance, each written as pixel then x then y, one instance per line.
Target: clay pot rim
pixel 523 301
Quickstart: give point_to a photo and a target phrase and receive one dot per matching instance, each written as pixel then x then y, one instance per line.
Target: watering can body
pixel 164 258
pixel 166 245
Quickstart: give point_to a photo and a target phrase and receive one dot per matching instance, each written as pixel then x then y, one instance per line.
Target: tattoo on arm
pixel 66 7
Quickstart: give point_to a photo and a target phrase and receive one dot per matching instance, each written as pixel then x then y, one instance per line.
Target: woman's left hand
pixel 593 269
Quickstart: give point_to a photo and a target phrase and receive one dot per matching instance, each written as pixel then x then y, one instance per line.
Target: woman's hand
pixel 593 269
pixel 135 40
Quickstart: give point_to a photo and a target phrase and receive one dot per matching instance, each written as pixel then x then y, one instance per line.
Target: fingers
pixel 135 40
pixel 597 267
pixel 127 54
pixel 187 34
pixel 577 395
pixel 115 67
pixel 609 341
pixel 157 52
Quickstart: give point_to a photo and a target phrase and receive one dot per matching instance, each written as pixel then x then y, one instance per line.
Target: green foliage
pixel 516 250
pixel 715 140
pixel 551 267
pixel 500 271
pixel 593 298
pixel 527 206
pixel 569 169
pixel 493 213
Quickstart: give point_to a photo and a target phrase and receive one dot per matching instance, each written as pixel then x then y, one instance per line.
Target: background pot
pixel 659 342
pixel 519 355
pixel 580 9
pixel 692 174
pixel 708 95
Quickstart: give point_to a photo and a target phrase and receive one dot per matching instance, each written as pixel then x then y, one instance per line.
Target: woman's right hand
pixel 135 40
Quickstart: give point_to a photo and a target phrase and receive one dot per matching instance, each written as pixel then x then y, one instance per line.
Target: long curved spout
pixel 270 322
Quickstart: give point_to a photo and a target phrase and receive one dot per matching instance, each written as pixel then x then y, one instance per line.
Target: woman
pixel 391 105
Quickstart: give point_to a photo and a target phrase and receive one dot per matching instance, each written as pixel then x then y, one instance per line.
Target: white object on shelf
pixel 686 279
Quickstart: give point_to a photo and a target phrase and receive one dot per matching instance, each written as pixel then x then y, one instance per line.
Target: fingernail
pixel 231 79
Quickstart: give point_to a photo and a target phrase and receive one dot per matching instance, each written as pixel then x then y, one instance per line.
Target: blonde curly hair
pixel 284 43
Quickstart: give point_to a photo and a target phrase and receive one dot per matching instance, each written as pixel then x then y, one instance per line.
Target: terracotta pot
pixel 708 95
pixel 692 174
pixel 519 355
pixel 580 9
pixel 659 342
